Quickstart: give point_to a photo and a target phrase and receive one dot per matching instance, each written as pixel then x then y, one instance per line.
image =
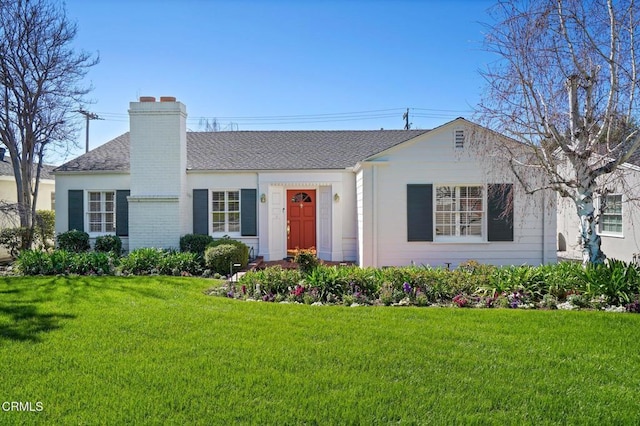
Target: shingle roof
pixel 111 156
pixel 258 150
pixel 6 169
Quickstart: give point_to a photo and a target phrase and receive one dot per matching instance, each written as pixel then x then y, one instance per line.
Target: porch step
pixel 256 264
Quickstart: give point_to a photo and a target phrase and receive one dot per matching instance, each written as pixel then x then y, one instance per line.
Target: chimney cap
pixel 147 98
pixel 167 98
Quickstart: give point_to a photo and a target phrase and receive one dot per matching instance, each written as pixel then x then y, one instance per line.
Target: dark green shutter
pixel 76 209
pixel 201 211
pixel 500 212
pixel 420 212
pixel 249 212
pixel 122 213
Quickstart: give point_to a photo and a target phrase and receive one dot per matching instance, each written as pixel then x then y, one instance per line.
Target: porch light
pixel 336 197
pixel 263 198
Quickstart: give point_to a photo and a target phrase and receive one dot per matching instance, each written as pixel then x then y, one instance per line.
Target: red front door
pixel 301 219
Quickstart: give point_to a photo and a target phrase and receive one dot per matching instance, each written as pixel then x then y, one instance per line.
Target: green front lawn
pixel 156 350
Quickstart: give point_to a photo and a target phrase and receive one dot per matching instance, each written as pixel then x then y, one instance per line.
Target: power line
pixel 268 120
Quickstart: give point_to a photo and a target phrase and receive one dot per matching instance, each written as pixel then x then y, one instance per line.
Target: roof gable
pixel 458 123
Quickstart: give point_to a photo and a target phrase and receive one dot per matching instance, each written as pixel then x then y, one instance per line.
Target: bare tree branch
pixel 40 76
pixel 565 86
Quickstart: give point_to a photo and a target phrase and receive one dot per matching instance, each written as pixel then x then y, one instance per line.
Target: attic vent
pixel 459 139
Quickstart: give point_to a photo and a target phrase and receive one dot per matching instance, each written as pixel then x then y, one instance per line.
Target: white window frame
pixel 457 213
pixel 226 212
pixel 103 212
pixel 604 214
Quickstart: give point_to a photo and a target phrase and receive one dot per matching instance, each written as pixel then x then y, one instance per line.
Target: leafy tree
pixel 40 75
pixel 565 85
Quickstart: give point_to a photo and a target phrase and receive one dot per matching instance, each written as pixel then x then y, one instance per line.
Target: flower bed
pixel 612 287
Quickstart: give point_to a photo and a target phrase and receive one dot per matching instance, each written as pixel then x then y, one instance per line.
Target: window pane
pixel 217 201
pixel 95 222
pixel 611 220
pixel 218 222
pixel 234 222
pixel 474 191
pixel 94 202
pixel 475 230
pixel 234 206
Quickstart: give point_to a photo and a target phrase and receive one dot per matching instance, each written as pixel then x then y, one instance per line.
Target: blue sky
pixel 284 64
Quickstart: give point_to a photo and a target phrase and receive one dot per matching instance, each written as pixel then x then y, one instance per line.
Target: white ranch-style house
pixel 377 198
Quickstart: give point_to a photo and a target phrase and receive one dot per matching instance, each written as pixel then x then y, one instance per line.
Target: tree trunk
pixel 589 238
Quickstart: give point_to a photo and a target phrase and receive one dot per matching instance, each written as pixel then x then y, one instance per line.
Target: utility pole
pixel 405 117
pixel 89 116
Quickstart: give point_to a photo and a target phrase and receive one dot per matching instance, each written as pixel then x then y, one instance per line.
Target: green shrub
pixel 222 257
pixel 270 282
pixel 307 260
pixel 242 247
pixel 108 244
pixel 147 261
pixel 616 280
pixel 74 241
pixel 38 262
pixel 92 263
pixel 563 277
pixel 327 281
pixel 34 262
pixel 179 264
pixel 143 261
pixel 45 228
pixel 195 243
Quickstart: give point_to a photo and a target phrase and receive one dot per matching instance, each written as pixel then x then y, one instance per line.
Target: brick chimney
pixel 158 163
